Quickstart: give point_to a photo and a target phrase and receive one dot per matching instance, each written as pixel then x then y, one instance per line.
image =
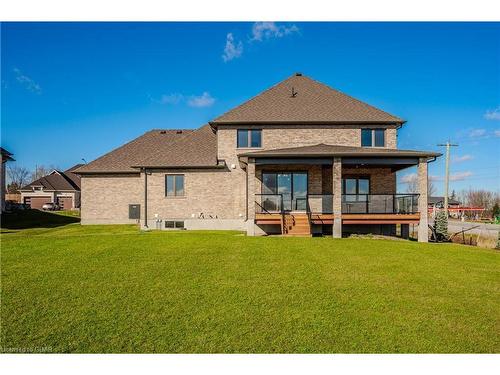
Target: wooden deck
pixel 276 218
pixel 380 218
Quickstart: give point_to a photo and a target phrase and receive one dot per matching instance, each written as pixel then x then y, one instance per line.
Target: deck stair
pixel 296 225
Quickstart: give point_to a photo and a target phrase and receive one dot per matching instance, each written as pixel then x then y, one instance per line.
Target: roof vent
pixel 179 131
pixel 298 74
pixel 294 93
pixel 163 132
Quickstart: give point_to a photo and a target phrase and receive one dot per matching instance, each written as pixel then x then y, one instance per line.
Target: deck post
pixel 422 201
pixel 337 197
pixel 251 197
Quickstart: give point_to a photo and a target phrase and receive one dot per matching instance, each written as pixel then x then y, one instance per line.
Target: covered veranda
pixel 333 189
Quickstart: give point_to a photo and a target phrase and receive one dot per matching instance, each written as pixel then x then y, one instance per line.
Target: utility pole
pixel 447 174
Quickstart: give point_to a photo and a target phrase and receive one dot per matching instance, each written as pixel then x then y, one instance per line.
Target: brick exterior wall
pixel 382 180
pixel 274 136
pixel 222 193
pixel 211 192
pixel 105 199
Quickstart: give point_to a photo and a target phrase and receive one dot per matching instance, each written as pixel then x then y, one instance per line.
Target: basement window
pixel 171 224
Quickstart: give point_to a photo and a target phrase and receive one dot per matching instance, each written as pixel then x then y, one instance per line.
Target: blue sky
pixel 78 90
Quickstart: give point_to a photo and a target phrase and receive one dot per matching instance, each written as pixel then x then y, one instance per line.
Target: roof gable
pixel 51 182
pixel 300 99
pixel 57 180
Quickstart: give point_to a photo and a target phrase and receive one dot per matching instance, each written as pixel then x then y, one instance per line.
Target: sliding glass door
pixel 291 185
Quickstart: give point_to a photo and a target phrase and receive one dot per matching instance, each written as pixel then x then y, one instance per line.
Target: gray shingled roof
pixel 336 150
pixel 314 102
pixel 160 148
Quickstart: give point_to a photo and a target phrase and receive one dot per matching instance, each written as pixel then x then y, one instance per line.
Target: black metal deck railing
pixel 351 203
pixel 268 203
pixel 278 203
pixel 380 203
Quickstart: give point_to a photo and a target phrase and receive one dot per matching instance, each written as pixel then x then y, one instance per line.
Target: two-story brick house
pixel 297 159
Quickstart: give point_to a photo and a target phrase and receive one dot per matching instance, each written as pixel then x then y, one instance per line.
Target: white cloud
pixel 408 178
pixel 412 177
pixel 268 30
pixel 260 32
pixel 497 133
pixel 460 176
pixel 459 159
pixel 492 114
pixel 204 100
pixel 27 82
pixel 171 98
pixel 475 133
pixel 198 101
pixel 232 49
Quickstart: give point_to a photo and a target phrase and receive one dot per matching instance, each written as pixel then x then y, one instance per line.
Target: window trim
pixel 249 138
pixel 373 131
pixel 175 195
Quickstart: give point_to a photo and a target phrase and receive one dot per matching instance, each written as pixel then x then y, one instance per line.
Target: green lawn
pixel 114 289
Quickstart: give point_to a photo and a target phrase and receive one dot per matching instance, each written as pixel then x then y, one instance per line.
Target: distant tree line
pixel 489 200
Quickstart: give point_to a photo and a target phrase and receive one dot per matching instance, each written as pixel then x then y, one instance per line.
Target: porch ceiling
pixel 323 154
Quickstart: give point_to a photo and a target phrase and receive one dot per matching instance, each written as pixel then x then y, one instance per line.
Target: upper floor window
pixel 249 138
pixel 174 185
pixel 372 137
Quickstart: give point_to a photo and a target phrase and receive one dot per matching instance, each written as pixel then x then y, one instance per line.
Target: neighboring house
pixel 299 158
pixel 438 202
pixel 6 156
pixel 455 209
pixel 58 187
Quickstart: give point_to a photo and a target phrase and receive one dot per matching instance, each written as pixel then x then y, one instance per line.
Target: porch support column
pixel 422 201
pixel 337 197
pixel 251 197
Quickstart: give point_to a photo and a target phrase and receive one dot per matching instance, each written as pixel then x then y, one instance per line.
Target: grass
pixel 79 288
pixel 25 219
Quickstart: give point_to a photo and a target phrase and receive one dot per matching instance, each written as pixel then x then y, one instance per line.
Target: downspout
pixel 246 194
pixel 145 198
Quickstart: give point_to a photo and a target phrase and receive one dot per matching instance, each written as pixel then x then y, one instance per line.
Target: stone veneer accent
pixel 423 230
pixel 337 197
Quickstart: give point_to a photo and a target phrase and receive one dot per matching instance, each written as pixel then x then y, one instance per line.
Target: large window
pixel 174 185
pixel 355 188
pixel 372 137
pixel 249 138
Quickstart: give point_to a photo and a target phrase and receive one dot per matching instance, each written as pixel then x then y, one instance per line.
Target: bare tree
pixel 17 177
pixel 481 198
pixel 431 188
pixel 41 171
pixel 411 182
